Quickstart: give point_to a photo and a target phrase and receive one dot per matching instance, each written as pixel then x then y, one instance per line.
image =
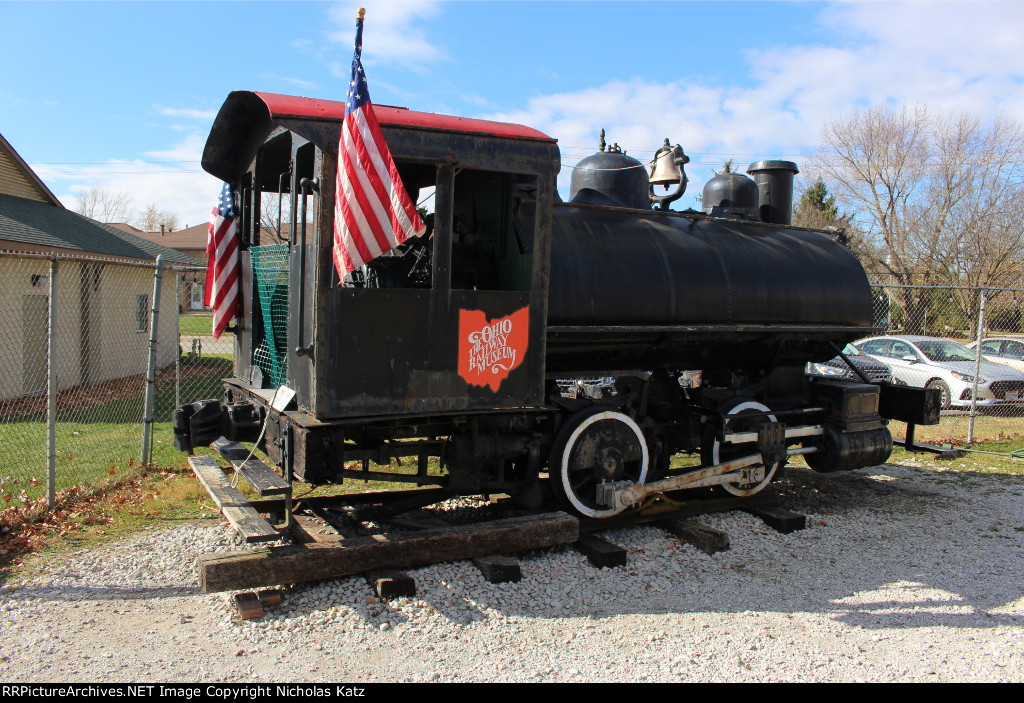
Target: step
pixel 233 505
pixel 261 477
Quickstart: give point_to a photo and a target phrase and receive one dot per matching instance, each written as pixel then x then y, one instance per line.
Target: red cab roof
pixel 283 106
pixel 246 118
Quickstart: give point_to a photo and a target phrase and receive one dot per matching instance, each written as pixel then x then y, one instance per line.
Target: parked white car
pixel 1002 350
pixel 933 362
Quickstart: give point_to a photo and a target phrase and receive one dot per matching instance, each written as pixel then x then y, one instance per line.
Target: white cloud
pixel 171 178
pixel 299 83
pixel 187 113
pixel 390 33
pixel 935 53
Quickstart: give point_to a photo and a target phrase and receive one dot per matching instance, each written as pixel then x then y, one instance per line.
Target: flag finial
pixel 361 14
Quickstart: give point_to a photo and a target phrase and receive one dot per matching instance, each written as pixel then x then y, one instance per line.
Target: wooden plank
pixel 421 496
pixel 599 551
pixel 307 529
pixel 391 583
pixel 248 606
pixel 779 519
pixel 233 505
pixel 261 477
pixel 706 539
pixel 498 568
pixel 269 597
pixel 316 562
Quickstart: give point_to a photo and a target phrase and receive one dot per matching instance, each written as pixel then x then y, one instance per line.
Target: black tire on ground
pixel 941 385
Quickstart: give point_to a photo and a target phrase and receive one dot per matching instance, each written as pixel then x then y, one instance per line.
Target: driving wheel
pixel 594 446
pixel 743 416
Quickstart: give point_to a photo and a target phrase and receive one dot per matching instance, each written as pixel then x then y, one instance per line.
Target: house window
pixel 142 313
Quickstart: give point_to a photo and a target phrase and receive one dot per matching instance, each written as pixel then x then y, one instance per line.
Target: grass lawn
pixel 96 445
pixel 953 430
pixel 197 325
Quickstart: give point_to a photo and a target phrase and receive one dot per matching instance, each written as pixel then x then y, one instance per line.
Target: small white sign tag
pixel 282 398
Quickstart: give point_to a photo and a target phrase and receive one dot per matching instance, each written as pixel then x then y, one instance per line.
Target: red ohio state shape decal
pixel 490 349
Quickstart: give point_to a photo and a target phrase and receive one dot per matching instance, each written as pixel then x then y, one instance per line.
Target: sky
pixel 122 95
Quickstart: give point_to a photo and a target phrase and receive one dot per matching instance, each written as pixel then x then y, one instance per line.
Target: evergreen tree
pixel 818 197
pixel 818 208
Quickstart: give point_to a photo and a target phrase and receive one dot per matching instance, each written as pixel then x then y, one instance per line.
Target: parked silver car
pixel 933 362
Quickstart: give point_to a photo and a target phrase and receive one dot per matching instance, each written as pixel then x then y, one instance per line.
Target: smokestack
pixel 775 189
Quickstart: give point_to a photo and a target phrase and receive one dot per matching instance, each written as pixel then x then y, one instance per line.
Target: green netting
pixel 270 275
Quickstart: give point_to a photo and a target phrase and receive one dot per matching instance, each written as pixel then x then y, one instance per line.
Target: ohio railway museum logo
pixel 490 349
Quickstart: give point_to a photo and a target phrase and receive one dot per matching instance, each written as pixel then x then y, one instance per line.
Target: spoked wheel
pixel 596 445
pixel 742 416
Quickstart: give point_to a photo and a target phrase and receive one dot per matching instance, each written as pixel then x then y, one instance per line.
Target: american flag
pixel 373 213
pixel 222 262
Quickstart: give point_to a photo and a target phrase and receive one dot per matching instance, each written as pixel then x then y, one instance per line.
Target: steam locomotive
pixel 463 345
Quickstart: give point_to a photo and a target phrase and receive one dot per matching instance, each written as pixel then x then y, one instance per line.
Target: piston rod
pixel 625 494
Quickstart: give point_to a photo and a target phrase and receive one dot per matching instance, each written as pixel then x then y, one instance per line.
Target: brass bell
pixel 665 171
pixel 668 170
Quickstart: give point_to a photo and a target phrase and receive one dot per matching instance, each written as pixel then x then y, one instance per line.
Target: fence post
pixel 51 389
pixel 177 338
pixel 147 428
pixel 977 366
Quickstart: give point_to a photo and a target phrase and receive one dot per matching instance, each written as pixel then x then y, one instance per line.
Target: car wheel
pixel 943 389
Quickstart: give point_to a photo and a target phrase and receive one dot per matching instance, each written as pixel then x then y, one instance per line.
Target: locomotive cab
pixel 391 338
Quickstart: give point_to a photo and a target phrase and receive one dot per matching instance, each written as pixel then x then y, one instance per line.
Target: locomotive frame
pixel 451 349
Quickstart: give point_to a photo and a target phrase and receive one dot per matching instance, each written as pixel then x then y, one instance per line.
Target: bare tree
pixel 273 222
pixel 933 195
pixel 981 242
pixel 153 217
pixel 103 205
pixel 276 218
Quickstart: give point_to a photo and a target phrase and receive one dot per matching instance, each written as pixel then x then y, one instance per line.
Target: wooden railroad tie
pixel 707 539
pixel 496 568
pixel 599 551
pixel 317 562
pixel 250 605
pixel 779 519
pixel 386 583
pixel 391 583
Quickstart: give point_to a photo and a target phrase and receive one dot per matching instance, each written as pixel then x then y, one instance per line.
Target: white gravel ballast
pixel 902 574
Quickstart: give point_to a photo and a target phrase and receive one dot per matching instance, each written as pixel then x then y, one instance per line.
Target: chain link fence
pixel 80 345
pixel 74 363
pixel 932 339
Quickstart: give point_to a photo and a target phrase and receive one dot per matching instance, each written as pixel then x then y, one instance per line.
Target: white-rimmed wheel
pixel 594 446
pixel 743 415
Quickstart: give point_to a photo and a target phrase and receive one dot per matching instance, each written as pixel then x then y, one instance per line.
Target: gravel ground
pixel 903 574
